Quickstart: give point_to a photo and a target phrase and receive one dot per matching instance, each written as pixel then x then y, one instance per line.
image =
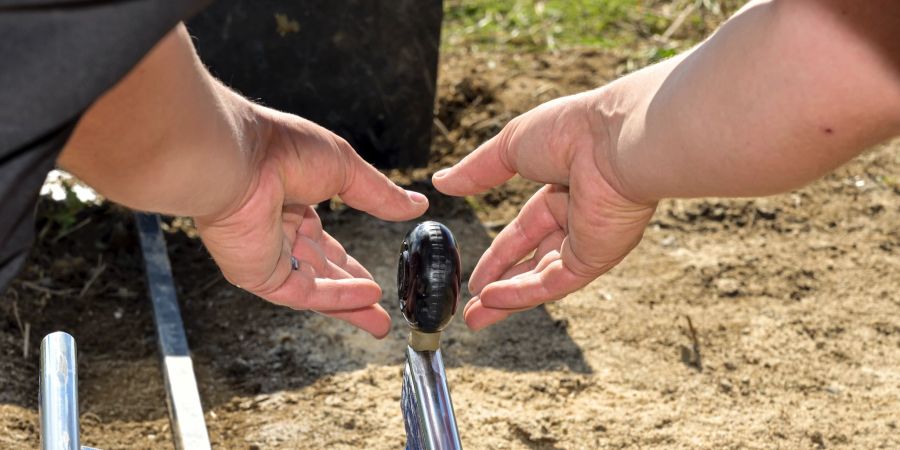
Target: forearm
pixel 780 95
pixel 167 138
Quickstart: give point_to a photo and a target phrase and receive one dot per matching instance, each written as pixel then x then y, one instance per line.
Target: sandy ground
pixel 768 323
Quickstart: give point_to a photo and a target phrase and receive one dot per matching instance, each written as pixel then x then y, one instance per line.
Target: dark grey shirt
pixel 56 58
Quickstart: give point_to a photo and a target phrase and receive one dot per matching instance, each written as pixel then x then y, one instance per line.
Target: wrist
pixel 251 130
pixel 609 111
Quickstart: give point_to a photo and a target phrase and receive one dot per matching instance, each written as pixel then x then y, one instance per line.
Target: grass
pixel 548 25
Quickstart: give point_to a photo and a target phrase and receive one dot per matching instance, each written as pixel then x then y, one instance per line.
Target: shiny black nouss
pixel 428 277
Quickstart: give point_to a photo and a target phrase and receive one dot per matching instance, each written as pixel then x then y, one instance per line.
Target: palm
pixel 578 226
pixel 301 164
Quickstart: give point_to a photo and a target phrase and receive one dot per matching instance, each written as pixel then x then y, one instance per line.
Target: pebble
pixel 728 287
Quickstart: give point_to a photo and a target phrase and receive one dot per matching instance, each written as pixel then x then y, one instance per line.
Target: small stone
pixel 817 439
pixel 725 386
pixel 766 211
pixel 728 287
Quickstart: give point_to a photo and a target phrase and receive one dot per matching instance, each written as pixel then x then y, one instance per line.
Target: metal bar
pixel 427 407
pixel 59 393
pixel 185 411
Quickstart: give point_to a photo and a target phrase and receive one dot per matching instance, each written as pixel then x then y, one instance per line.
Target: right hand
pixel 298 164
pixel 579 225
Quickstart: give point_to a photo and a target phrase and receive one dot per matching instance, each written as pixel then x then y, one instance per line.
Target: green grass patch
pixel 544 25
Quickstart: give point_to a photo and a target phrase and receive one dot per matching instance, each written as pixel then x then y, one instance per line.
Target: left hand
pixel 574 229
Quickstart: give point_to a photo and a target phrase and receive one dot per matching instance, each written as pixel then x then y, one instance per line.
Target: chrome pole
pixel 59 393
pixel 428 281
pixel 427 407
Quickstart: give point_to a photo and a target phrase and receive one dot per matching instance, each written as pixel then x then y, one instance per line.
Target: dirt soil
pixel 767 323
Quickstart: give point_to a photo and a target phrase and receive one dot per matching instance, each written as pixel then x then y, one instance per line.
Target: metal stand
pixel 59 393
pixel 59 370
pixel 428 280
pixel 185 410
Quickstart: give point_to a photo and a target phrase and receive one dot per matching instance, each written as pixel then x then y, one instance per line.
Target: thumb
pixel 484 168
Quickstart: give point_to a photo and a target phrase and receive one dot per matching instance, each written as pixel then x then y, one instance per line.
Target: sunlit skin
pixel 781 94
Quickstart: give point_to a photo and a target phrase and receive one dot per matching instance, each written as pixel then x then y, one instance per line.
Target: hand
pixel 298 164
pixel 579 225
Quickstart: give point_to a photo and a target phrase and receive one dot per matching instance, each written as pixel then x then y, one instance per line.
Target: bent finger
pixel 531 289
pixel 338 255
pixel 550 243
pixel 544 213
pixel 478 316
pixel 303 290
pixel 372 319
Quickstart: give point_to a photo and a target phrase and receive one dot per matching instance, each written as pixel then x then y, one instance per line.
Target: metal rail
pixel 185 411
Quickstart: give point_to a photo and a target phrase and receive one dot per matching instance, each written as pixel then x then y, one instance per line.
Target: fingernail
pixel 417 197
pixel 441 173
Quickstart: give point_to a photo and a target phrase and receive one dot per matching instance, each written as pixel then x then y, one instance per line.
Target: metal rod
pixel 185 411
pixel 59 393
pixel 427 407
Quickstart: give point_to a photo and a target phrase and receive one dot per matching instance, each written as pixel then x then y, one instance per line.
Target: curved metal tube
pixel 59 393
pixel 430 421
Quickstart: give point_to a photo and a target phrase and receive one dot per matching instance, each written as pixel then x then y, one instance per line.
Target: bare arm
pixel 143 142
pixel 782 93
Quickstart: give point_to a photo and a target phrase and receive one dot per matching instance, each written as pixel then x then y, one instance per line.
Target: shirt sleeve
pixel 56 58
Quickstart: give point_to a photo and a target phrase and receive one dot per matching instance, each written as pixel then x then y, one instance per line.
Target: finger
pixel 550 243
pixel 336 254
pixel 319 165
pixel 537 145
pixel 368 190
pixel 294 220
pixel 303 290
pixel 552 283
pixel 372 319
pixel 311 225
pixel 544 213
pixel 537 264
pixel 546 260
pixel 478 316
pixel 308 252
pixel 335 272
pixel 488 166
pixel 356 269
